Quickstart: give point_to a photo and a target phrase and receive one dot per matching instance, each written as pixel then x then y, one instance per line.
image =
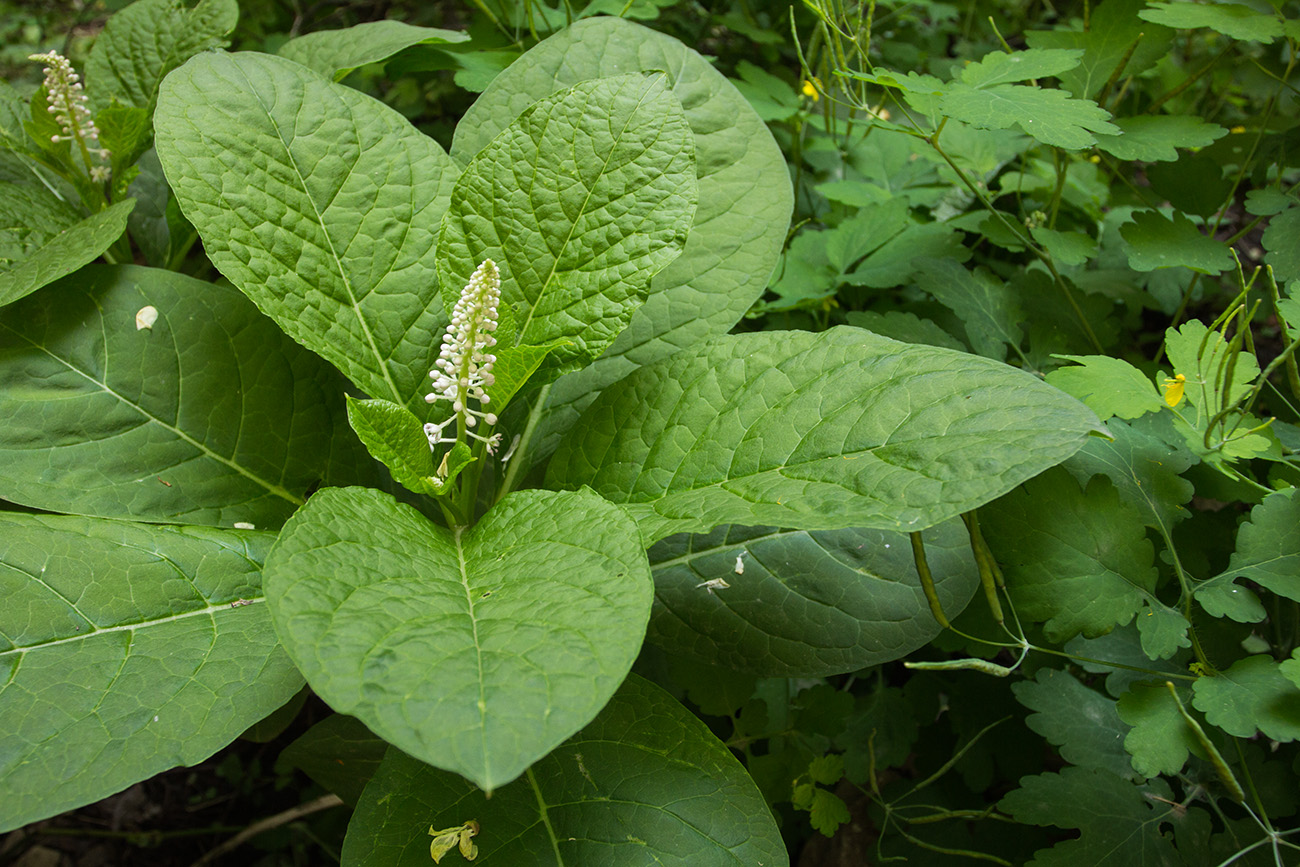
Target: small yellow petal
pixel 1237 130
pixel 1174 389
pixel 810 91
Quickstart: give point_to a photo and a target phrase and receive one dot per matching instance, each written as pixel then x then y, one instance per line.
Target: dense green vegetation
pixel 866 433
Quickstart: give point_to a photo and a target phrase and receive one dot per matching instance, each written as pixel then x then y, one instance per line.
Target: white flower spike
pixel 68 106
pixel 464 367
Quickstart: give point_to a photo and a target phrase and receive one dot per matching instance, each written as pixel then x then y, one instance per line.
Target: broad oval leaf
pixel 335 53
pixel 804 604
pixel 125 649
pixel 580 202
pixel 819 432
pixel 57 244
pixel 148 39
pixel 646 783
pixel 476 650
pixel 319 203
pixel 744 193
pixel 209 416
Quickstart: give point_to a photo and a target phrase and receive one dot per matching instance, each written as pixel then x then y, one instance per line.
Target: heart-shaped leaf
pixel 125 649
pixel 319 203
pixel 209 415
pixel 817 432
pixel 580 202
pixel 476 650
pixel 646 783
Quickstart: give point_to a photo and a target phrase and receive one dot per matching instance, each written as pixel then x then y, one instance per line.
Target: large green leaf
pixel 1078 560
pixel 476 650
pixel 1119 823
pixel 580 202
pixel 646 783
pixel 1155 137
pixel 125 649
pixel 1111 35
pixel 744 194
pixel 801 604
pixel 817 431
pixel 1253 693
pixel 319 203
pixel 1082 722
pixel 147 40
pixel 50 240
pixel 1231 19
pixel 1050 116
pixel 335 53
pixel 211 416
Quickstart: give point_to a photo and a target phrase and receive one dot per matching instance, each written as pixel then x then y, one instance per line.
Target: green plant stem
pixel 520 456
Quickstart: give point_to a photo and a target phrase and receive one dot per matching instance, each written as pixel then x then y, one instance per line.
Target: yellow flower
pixel 810 89
pixel 1237 130
pixel 1174 389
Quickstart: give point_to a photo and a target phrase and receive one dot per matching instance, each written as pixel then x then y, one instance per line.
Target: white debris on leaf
pixel 740 563
pixel 145 317
pixel 244 525
pixel 713 584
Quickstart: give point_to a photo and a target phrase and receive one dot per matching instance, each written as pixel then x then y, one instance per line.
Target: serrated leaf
pixel 1119 824
pixel 212 416
pixel 580 202
pixel 1161 739
pixel 319 203
pixel 863 232
pixel 745 198
pixel 1050 116
pixel 1109 386
pixel 1291 668
pixel 1268 553
pixel 828 812
pixel 125 650
pixel 335 53
pixel 1144 462
pixel 1230 19
pixel 477 650
pixel 1068 248
pixel 826 769
pixel 1078 560
pixel 53 255
pixel 1203 361
pixel 988 310
pixel 1154 137
pixel 1082 722
pixel 1163 630
pixel 339 753
pixel 1106 39
pixel 1252 694
pixel 999 67
pixel 1155 242
pixel 816 431
pixel 804 604
pixel 148 39
pixel 646 783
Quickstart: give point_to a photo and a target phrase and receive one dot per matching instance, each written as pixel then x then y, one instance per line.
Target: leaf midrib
pixel 457 536
pixel 604 170
pixel 203 449
pixel 329 240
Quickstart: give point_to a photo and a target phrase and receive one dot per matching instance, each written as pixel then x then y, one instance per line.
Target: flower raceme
pixel 464 367
pixel 68 107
